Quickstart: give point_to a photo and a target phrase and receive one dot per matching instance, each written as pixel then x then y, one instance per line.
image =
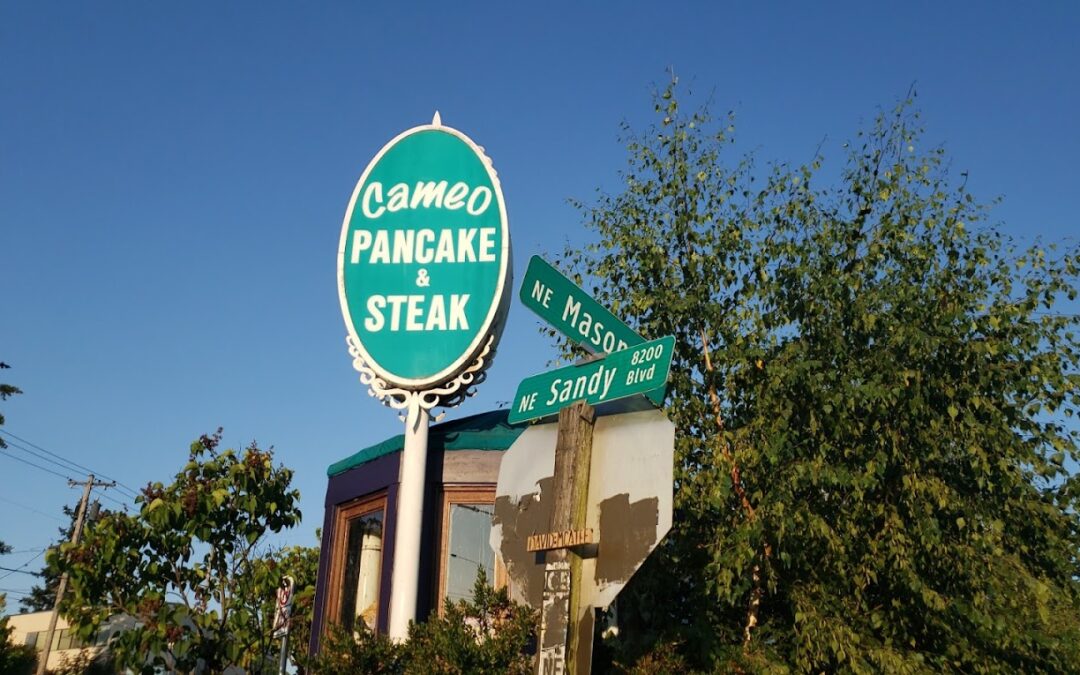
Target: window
pixel 356 566
pixel 363 558
pixel 465 542
pixel 68 640
pixel 102 638
pixel 63 638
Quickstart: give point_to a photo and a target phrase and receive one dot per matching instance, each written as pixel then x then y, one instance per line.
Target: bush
pixel 344 652
pixel 491 634
pixel 14 659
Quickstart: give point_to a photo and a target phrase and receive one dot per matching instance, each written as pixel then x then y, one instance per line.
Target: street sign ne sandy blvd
pixel 634 370
pixel 575 314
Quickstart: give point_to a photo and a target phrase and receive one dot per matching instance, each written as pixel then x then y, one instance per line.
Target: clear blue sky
pixel 173 178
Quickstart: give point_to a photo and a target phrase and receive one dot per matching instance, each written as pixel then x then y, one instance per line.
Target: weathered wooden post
pixel 559 639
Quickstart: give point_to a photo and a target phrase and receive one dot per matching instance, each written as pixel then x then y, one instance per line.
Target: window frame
pixel 474 493
pixel 343 515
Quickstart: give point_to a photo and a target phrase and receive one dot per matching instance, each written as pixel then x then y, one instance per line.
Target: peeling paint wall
pixel 629 536
pixel 630 494
pixel 514 522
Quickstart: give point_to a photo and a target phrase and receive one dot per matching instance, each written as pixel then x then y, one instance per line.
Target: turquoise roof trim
pixel 486 431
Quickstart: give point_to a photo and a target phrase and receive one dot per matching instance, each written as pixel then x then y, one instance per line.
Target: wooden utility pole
pixel 80 515
pixel 559 640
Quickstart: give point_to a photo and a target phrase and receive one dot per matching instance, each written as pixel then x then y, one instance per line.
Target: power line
pixel 62 465
pixel 12 569
pixel 113 500
pixel 49 452
pixel 23 566
pixel 12 590
pixel 74 464
pixel 36 466
pixel 30 508
pixel 25 550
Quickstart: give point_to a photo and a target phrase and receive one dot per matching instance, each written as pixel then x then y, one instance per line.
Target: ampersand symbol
pixel 422 279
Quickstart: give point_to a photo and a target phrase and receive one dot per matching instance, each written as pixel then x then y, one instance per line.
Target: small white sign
pixel 283 608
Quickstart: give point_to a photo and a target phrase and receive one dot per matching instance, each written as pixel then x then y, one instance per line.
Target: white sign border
pixel 492 325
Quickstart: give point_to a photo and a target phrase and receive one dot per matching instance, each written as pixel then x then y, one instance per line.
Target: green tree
pixel 871 386
pixel 6 391
pixel 42 596
pixel 302 564
pixel 14 659
pixel 186 565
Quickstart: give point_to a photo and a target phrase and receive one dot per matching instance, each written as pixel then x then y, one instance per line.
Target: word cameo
pixel 414 313
pixel 426 194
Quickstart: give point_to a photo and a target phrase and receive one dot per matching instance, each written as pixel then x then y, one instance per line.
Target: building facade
pixel 360 520
pixel 32 629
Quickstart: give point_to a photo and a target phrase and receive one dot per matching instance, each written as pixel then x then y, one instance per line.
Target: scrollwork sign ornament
pixel 449 395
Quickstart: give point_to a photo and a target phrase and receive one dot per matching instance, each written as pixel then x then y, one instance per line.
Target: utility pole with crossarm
pixel 80 516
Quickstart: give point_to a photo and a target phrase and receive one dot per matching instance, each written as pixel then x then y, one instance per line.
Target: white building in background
pixel 32 629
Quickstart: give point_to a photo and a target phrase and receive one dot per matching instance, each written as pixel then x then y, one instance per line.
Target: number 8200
pixel 647 354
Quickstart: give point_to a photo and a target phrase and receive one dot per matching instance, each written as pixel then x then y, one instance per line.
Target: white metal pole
pixel 405 576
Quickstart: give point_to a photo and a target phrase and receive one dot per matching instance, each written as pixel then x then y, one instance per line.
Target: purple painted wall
pixel 375 476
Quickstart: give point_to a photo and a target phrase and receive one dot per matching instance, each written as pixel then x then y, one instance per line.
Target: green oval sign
pixel 424 258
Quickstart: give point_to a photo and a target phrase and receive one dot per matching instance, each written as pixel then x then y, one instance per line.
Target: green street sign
pixel 575 314
pixel 424 258
pixel 634 370
pixel 572 311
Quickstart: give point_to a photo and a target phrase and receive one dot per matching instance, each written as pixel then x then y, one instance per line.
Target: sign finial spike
pixel 436 120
